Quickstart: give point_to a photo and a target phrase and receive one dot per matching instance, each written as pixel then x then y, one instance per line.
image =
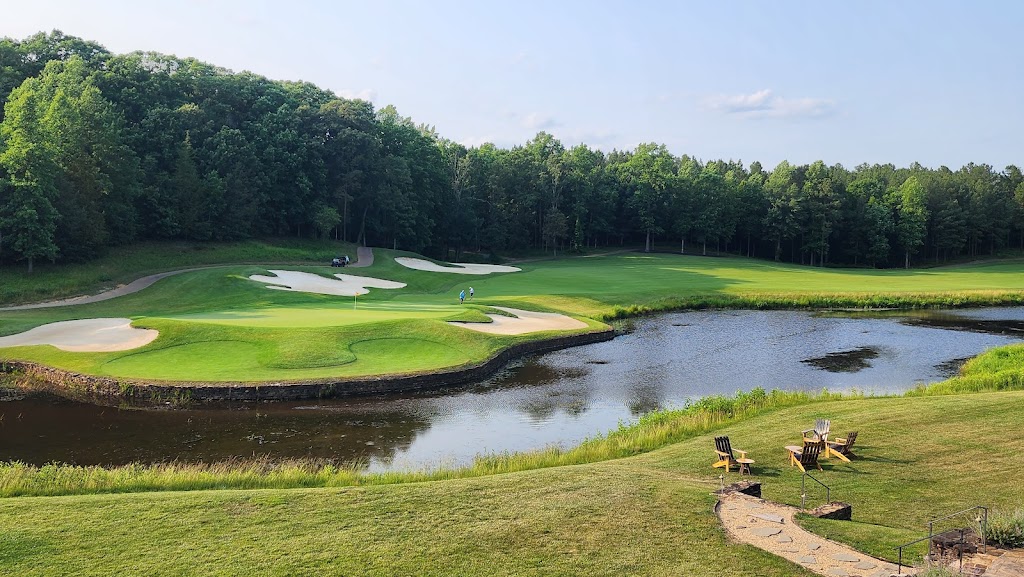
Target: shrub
pixel 931 570
pixel 1005 528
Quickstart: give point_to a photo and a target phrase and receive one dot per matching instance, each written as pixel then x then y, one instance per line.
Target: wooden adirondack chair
pixel 819 432
pixel 806 456
pixel 840 447
pixel 723 450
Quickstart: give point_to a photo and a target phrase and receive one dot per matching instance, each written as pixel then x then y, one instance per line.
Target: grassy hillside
pixel 126 263
pixel 645 515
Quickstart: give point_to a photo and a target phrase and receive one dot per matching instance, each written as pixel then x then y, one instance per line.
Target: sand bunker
pixel 523 322
pixel 420 264
pixel 348 285
pixel 85 336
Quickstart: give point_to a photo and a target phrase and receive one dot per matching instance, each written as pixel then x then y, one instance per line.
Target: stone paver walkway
pixel 1010 564
pixel 770 526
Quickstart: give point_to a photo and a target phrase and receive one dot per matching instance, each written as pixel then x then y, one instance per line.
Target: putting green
pixel 342 315
pixel 290 359
pixel 417 354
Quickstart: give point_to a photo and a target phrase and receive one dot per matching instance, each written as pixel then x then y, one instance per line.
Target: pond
pixel 558 398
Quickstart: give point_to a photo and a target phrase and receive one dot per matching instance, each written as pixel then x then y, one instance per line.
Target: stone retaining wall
pixel 105 390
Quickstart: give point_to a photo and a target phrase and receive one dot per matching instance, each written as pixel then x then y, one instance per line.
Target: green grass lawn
pixel 261 334
pixel 650 514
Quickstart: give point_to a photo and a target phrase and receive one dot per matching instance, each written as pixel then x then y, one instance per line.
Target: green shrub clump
pixel 1005 528
pixel 937 571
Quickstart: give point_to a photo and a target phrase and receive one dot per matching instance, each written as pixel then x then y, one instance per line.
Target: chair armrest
pixel 837 441
pixel 743 454
pixel 812 436
pixel 721 454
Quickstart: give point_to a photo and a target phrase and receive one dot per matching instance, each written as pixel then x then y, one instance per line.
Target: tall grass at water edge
pixel 997 369
pixel 985 373
pixel 818 301
pixel 652 431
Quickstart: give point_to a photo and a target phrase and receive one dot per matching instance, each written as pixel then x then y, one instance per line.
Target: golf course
pixel 637 500
pixel 226 324
pixel 457 289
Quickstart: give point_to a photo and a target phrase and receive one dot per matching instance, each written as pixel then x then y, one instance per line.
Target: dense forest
pixel 100 149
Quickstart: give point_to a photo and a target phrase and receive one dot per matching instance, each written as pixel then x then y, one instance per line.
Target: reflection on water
pixel 558 398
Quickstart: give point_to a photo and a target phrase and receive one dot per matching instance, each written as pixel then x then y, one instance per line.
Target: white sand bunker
pixel 85 336
pixel 348 285
pixel 523 322
pixel 420 264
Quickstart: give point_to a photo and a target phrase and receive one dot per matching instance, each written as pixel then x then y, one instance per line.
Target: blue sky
pixel 940 83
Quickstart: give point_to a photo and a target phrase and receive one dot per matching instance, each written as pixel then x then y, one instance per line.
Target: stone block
pixel 751 488
pixel 834 510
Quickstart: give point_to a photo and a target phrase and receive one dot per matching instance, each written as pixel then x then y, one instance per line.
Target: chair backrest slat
pixel 723 445
pixel 849 442
pixel 822 426
pixel 809 455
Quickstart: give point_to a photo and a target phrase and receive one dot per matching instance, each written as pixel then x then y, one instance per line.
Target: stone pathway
pixel 769 526
pixel 1009 564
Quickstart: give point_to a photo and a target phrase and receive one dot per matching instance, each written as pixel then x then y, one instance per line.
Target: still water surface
pixel 557 398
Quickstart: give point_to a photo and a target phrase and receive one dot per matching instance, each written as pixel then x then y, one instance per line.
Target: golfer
pixel 470 293
pixel 462 296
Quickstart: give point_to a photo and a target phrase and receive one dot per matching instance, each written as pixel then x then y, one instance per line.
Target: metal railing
pixel 982 520
pixel 803 490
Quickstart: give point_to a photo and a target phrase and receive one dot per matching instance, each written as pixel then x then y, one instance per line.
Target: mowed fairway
pixel 217 325
pixel 594 285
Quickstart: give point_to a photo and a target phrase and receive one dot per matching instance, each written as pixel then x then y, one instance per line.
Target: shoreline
pixel 140 393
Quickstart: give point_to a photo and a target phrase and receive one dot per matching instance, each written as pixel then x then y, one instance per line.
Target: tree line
pixel 100 149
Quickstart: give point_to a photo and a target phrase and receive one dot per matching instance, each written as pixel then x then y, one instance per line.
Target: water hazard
pixel 558 398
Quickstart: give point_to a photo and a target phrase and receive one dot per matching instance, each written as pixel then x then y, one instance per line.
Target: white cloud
pixel 537 121
pixel 765 104
pixel 367 94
